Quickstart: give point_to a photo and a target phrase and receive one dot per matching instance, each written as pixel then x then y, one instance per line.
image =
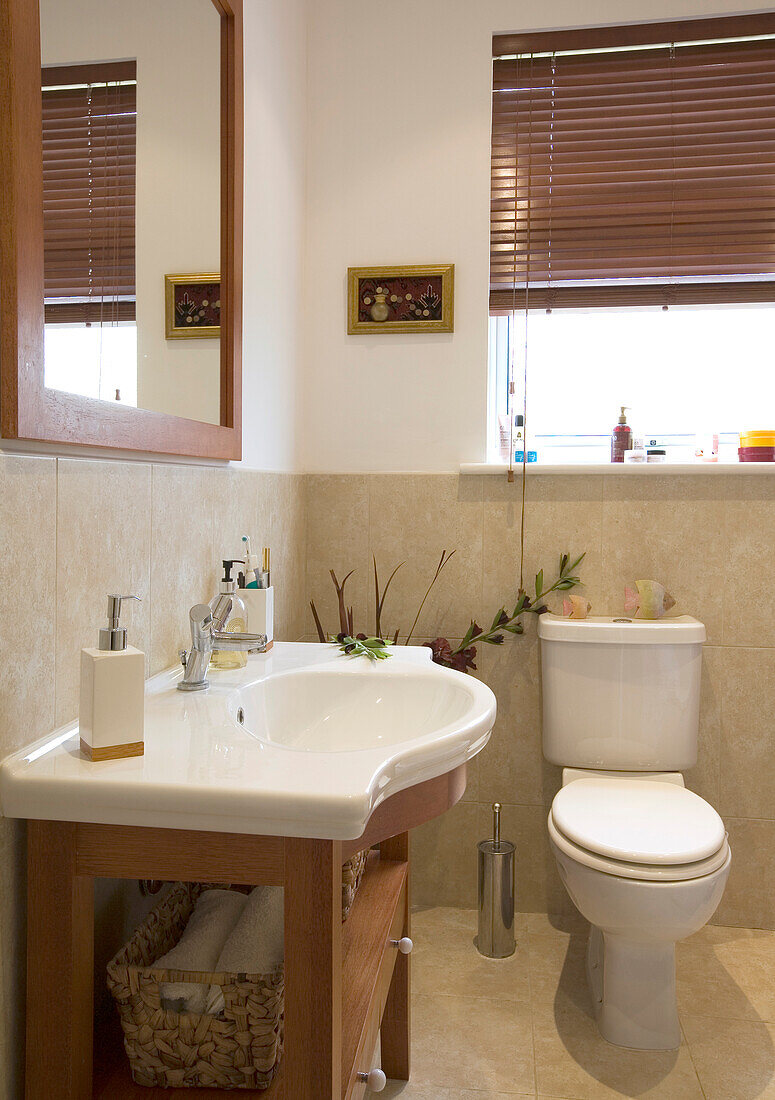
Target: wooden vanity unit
pixel 344 983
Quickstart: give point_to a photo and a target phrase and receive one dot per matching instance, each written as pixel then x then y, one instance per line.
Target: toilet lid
pixel 638 821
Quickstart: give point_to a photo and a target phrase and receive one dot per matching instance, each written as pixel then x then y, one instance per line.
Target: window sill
pixel 624 469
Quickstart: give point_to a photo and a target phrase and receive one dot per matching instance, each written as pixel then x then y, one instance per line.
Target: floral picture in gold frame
pixel 400 299
pixel 192 306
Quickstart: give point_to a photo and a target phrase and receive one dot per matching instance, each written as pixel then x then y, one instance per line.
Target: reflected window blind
pixel 634 166
pixel 89 139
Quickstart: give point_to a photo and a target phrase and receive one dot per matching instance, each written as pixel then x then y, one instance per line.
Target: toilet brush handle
pixel 496 825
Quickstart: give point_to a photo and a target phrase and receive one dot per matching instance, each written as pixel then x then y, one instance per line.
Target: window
pixel 633 233
pixel 89 149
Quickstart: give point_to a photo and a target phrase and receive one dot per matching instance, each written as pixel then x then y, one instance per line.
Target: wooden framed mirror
pixel 101 295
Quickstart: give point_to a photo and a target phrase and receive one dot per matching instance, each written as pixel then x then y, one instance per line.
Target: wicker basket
pixel 352 873
pixel 239 1049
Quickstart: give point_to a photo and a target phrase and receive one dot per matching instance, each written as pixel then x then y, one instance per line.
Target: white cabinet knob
pixel 375 1079
pixel 404 945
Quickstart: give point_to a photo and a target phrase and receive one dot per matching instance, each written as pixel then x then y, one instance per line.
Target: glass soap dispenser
pixel 236 622
pixel 112 711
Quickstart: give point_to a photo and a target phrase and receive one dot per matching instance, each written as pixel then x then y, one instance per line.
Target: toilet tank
pixel 621 694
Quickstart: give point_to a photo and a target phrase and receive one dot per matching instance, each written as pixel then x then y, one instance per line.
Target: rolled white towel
pixel 257 944
pixel 212 921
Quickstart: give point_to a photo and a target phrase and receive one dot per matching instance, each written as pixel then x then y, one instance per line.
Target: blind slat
pixel 652 163
pixel 89 139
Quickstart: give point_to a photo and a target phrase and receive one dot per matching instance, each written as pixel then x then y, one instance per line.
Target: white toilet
pixel 644 859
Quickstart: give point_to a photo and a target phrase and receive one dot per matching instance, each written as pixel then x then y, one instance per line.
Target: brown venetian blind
pixel 89 138
pixel 634 176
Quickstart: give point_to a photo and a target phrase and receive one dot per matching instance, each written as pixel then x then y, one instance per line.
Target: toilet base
pixel 633 991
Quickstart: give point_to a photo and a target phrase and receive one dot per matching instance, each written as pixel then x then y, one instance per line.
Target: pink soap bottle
pixel 621 437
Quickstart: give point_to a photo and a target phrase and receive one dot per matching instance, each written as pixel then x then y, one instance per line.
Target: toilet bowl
pixel 646 863
pixel 643 859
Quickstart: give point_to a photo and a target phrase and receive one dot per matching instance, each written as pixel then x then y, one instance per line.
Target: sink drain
pixel 241 716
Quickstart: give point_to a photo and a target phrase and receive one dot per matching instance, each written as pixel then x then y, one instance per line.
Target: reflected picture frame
pixel 189 306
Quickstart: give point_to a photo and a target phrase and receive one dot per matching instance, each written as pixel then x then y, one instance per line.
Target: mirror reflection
pixel 132 205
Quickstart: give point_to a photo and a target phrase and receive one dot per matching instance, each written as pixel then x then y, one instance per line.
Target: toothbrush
pixel 251 561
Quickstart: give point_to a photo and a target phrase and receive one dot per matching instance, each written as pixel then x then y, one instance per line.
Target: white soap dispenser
pixel 112 710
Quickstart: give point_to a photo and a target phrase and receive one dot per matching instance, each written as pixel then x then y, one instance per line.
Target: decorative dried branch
pixel 318 624
pixel 344 625
pixel 443 560
pixel 379 602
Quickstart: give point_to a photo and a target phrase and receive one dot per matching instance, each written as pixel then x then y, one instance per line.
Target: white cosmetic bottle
pixel 112 711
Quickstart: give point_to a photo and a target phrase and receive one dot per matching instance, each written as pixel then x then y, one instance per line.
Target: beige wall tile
pixel 734 1059
pixel 747 771
pixel 562 515
pixel 27 607
pixel 338 539
pixel 749 899
pixel 511 766
pixel 667 529
pixel 749 561
pixel 236 496
pixel 103 546
pixel 703 778
pixel 444 867
pixel 288 542
pixel 269 507
pixel 413 517
pixel 182 568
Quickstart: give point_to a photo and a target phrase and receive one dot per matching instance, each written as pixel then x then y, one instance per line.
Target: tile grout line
pixel 532 1012
pixel 691 1059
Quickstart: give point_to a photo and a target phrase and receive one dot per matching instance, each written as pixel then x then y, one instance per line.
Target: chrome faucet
pixel 207 634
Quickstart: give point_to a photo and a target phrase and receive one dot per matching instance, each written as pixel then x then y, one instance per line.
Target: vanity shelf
pixel 379 914
pixel 344 984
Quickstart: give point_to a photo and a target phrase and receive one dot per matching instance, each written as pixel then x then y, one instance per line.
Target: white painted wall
pixel 399 172
pixel 274 307
pixel 177 48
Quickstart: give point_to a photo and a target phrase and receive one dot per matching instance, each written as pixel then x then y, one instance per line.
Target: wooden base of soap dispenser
pixel 113 752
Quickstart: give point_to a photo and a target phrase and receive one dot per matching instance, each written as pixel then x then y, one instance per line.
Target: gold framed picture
pixel 192 306
pixel 401 299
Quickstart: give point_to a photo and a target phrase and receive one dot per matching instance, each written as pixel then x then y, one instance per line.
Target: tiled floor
pixel 519 1027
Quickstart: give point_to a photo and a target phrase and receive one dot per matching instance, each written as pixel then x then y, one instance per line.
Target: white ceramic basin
pixel 301 742
pixel 351 709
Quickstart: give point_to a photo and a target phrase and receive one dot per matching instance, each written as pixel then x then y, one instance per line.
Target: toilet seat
pixel 638 829
pixel 642 872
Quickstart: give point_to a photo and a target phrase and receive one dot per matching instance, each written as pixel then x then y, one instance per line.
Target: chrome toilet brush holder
pixel 496 894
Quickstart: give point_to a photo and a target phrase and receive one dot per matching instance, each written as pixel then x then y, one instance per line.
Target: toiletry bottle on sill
pixel 504 438
pixel 111 715
pixel 621 437
pixel 236 623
